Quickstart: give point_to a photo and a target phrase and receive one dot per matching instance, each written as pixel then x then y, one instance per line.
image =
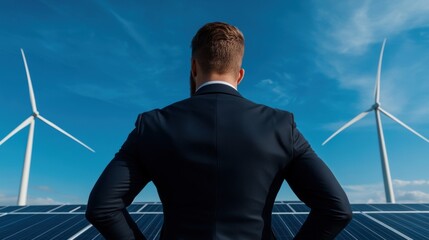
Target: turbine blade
pixel 377 82
pixel 30 85
pixel 64 132
pixel 17 129
pixel 355 119
pixel 403 124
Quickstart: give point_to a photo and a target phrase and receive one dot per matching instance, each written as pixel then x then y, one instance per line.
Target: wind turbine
pixel 390 197
pixel 22 198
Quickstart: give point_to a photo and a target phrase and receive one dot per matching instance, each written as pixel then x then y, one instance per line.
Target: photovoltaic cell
pixel 82 208
pixel 39 226
pixel 299 207
pixel 135 207
pixel 281 208
pixel 91 233
pixel 152 208
pixel 151 225
pixel 414 225
pixel 66 208
pixel 10 209
pixel 362 227
pixel 390 207
pixel 281 227
pixel 36 208
pixel 65 229
pixel 417 207
pixel 363 207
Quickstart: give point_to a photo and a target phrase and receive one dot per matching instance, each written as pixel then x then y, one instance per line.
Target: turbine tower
pixel 390 197
pixel 22 198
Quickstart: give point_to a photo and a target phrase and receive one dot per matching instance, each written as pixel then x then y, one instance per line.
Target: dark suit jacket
pixel 217 161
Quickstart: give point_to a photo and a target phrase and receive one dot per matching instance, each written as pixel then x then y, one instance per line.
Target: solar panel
pixel 418 207
pixel 370 221
pixel 413 225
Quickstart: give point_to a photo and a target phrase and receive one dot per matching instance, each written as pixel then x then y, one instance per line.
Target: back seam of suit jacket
pixel 217 166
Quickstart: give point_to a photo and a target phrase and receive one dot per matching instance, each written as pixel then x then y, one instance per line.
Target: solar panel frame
pixel 390 207
pixel 67 208
pixel 282 207
pixel 360 207
pixel 299 207
pixel 37 208
pixel 152 208
pixel 136 207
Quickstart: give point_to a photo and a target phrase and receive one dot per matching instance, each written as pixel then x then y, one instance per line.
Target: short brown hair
pixel 218 47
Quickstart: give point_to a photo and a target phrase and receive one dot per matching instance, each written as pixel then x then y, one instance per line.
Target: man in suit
pixel 217 160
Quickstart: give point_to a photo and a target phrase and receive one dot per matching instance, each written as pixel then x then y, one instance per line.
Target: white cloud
pixel 406 191
pixel 44 188
pixel 122 95
pixel 350 34
pixel 368 193
pixel 357 24
pixel 280 89
pixel 404 183
pixel 365 122
pixel 412 197
pixel 7 200
pixel 276 90
pixel 43 201
pixel 132 32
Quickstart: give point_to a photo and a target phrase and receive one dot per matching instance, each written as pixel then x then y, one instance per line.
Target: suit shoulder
pixel 276 112
pixel 145 117
pixel 157 113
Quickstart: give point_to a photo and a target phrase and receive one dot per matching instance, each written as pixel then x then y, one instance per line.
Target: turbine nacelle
pixel 375 106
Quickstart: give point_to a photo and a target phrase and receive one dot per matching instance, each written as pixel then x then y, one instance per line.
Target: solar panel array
pixel 370 221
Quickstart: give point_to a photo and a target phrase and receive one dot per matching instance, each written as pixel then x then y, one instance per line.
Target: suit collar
pixel 217 88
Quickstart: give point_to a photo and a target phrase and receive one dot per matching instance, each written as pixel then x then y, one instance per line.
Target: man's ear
pixel 240 76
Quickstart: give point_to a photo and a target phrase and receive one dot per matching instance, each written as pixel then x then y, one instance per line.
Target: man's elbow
pixel 96 216
pixel 344 213
pixel 92 216
pixel 347 216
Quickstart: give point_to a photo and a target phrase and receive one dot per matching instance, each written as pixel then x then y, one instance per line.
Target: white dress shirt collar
pixel 216 82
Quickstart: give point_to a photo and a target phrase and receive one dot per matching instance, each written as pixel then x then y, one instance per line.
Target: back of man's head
pixel 218 47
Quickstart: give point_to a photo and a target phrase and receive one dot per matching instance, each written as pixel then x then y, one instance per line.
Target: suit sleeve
pixel 317 187
pixel 121 181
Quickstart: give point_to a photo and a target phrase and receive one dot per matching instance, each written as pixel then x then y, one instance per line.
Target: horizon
pixel 96 65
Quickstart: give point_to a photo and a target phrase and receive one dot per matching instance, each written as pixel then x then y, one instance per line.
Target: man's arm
pixel 317 187
pixel 121 181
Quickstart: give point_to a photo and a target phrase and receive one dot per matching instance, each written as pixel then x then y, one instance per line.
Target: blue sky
pixel 96 64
